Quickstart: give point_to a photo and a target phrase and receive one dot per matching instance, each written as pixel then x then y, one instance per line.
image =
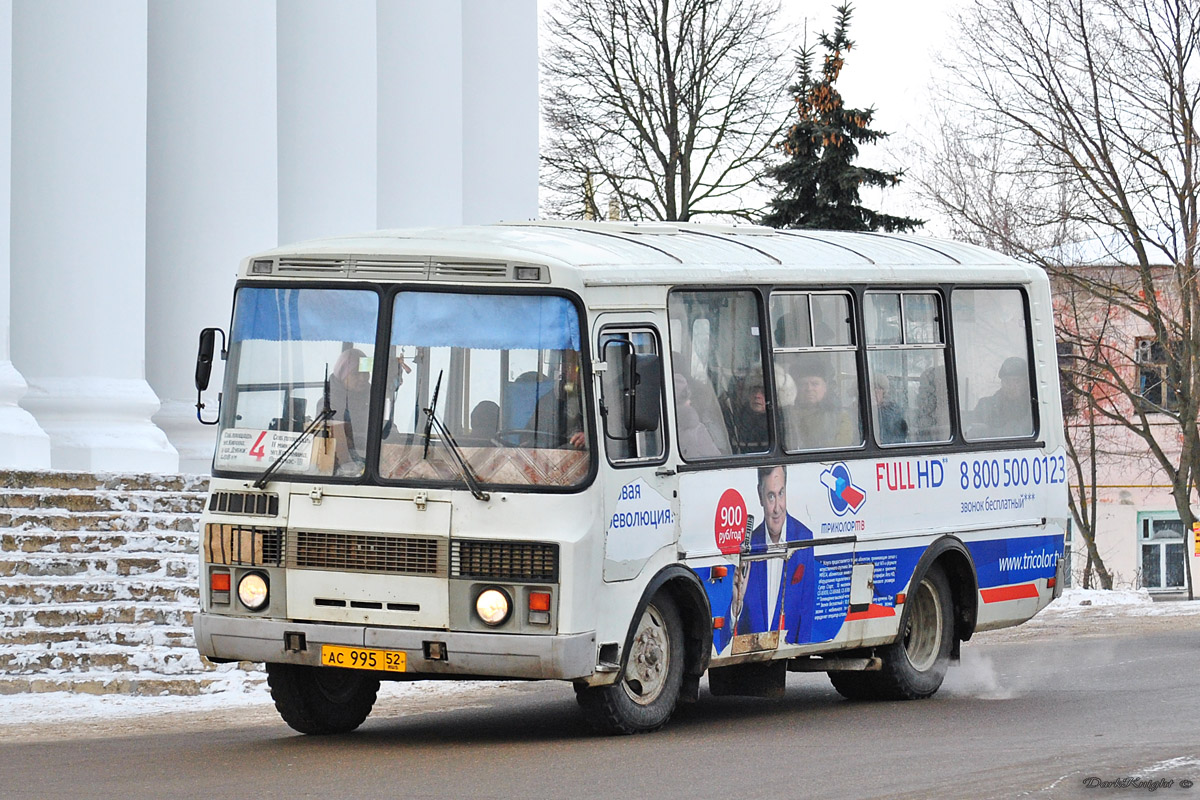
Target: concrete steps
pixel 171 615
pixel 61 519
pixel 80 565
pixel 98 585
pixel 47 541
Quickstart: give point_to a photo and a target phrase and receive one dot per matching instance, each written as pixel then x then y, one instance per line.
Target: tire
pixel 321 700
pixel 854 685
pixel 645 695
pixel 914 666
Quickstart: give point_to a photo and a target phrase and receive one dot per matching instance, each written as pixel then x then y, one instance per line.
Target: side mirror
pixel 618 354
pixel 204 361
pixel 204 357
pixel 645 391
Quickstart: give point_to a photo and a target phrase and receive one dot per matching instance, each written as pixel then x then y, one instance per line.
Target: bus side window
pixel 991 346
pixel 906 360
pixel 631 409
pixel 718 354
pixel 816 370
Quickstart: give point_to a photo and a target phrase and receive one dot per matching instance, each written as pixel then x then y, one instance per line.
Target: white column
pixel 420 112
pixel 500 110
pixel 327 134
pixel 78 232
pixel 212 189
pixel 23 444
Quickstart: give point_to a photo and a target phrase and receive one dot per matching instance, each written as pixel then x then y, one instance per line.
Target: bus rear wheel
pixel 321 700
pixel 914 666
pixel 644 697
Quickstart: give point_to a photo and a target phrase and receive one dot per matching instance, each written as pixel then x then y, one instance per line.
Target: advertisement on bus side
pixel 780 549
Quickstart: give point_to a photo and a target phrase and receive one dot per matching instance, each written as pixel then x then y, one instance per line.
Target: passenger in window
pixel 695 441
pixel 746 415
pixel 1007 412
pixel 889 415
pixel 816 421
pixel 350 399
pixel 485 420
pixel 703 400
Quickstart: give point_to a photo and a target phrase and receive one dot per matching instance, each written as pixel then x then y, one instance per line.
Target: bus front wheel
pixel 914 666
pixel 644 697
pixel 321 700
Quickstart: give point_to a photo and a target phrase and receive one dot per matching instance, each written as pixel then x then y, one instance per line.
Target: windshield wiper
pixel 326 413
pixel 460 461
pixel 437 387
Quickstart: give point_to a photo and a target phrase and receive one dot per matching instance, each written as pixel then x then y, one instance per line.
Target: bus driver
pixel 350 399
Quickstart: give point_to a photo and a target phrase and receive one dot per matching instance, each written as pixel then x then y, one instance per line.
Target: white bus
pixel 624 456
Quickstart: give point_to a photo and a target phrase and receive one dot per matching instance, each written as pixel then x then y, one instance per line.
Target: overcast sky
pixel 891 64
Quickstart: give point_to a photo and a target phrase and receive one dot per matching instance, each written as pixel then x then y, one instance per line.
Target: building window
pixel 1163 544
pixel 1157 376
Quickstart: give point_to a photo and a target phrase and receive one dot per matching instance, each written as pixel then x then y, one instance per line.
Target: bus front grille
pixel 504 561
pixel 252 503
pixel 362 552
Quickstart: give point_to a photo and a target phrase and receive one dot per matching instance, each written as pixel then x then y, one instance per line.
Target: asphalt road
pixel 1020 717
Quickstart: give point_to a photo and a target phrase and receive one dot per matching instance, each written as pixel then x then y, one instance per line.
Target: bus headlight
pixel 252 590
pixel 493 606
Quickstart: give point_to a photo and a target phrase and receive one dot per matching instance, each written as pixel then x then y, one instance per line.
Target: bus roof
pixel 613 253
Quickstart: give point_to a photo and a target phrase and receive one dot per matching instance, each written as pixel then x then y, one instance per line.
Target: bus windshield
pixel 506 369
pixel 507 373
pixel 290 349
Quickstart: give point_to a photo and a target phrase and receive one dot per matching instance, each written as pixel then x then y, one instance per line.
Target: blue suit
pixel 797 592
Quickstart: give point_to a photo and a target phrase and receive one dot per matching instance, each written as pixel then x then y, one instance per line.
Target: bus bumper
pixel 467 654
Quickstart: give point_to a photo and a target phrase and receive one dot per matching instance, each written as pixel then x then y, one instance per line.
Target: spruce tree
pixel 819 182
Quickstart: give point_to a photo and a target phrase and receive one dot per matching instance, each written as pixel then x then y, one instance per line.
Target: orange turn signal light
pixel 539 601
pixel 1050 582
pixel 718 623
pixel 720 572
pixel 900 598
pixel 219 582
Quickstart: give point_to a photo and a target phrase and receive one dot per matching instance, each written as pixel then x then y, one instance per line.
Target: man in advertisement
pixel 774 589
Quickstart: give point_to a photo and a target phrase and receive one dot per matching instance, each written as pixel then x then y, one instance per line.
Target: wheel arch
pixel 684 587
pixel 954 558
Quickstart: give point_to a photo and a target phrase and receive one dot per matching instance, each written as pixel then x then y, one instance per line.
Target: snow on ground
pixel 1129 602
pixel 245 695
pixel 40 707
pixel 1096 610
pixel 58 715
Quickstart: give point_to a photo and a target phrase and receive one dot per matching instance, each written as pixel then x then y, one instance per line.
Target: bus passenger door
pixel 640 502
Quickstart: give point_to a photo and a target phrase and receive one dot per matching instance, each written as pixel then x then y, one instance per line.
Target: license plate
pixel 336 655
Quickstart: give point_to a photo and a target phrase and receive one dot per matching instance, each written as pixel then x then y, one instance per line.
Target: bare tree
pixel 1076 143
pixel 667 106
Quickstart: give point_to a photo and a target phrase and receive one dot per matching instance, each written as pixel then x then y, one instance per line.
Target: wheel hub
pixel 923 635
pixel 648 663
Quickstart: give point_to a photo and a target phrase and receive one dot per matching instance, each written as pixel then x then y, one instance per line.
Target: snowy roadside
pixel 244 699
pixel 1082 612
